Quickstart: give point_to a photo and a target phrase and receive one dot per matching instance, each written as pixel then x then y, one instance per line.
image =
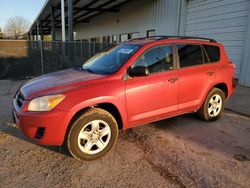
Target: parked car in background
pixel 134 83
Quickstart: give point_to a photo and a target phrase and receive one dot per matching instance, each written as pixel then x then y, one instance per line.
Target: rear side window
pixel 213 52
pixel 190 55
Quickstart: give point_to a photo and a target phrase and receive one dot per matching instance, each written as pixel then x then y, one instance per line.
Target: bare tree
pixel 16 27
pixel 1 34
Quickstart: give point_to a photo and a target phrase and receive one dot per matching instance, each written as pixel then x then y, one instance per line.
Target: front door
pixel 154 96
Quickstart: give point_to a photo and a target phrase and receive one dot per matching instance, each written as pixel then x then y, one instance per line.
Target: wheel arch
pixel 222 86
pixel 113 110
pixel 203 111
pixel 108 106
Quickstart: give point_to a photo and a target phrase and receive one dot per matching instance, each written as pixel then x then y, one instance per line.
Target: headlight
pixel 45 103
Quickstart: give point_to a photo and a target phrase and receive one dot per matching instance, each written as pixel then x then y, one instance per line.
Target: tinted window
pixel 190 55
pixel 109 61
pixel 157 59
pixel 213 52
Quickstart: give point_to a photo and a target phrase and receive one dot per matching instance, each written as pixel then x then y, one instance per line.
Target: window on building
pixel 128 36
pixel 190 55
pixel 151 33
pixel 106 39
pixel 134 35
pixel 114 38
pixel 95 39
pixel 123 37
pixel 213 53
pixel 157 59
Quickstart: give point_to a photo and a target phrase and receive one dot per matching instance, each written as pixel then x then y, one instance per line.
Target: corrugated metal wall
pixel 224 20
pixel 137 16
pixel 245 67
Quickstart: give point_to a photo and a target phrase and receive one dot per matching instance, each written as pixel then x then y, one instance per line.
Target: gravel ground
pixel 177 152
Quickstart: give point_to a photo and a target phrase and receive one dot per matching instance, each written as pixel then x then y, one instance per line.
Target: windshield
pixel 110 61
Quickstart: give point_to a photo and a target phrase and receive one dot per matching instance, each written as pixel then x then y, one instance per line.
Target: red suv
pixel 133 83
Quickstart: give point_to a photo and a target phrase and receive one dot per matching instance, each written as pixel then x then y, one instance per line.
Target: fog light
pixel 40 133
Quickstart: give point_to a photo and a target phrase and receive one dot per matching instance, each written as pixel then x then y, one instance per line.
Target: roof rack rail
pixel 155 37
pixel 161 37
pixel 189 37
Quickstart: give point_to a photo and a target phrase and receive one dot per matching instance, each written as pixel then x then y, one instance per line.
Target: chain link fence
pixel 27 59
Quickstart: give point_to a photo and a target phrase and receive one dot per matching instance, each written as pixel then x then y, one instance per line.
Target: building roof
pixel 83 11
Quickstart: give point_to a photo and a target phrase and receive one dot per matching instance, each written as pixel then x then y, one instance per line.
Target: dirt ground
pixel 177 152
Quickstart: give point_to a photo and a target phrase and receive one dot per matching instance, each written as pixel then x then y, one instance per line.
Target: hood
pixel 57 82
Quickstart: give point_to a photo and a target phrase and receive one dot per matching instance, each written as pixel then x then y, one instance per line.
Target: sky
pixel 28 9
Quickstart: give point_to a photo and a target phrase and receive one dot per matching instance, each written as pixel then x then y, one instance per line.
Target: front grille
pixel 39 133
pixel 19 99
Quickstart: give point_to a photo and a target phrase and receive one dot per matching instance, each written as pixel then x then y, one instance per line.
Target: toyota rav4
pixel 133 83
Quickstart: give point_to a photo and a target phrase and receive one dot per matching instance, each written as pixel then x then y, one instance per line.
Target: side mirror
pixel 138 71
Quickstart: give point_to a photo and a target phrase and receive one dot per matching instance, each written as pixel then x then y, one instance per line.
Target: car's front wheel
pixel 213 105
pixel 92 135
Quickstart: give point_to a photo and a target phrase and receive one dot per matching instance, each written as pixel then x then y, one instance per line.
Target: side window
pixel 213 53
pixel 190 55
pixel 157 59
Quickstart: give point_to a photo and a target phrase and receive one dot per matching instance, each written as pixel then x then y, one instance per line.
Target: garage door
pixel 223 20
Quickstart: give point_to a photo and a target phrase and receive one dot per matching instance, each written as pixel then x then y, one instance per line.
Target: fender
pixel 92 102
pixel 204 96
pixel 103 99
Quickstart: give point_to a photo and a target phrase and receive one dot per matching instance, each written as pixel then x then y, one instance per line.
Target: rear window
pixel 213 53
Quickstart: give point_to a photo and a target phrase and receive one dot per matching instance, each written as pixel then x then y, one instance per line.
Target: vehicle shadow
pixel 218 136
pixel 11 130
pixel 228 135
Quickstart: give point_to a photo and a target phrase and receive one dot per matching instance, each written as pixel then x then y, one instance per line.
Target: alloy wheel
pixel 214 105
pixel 94 137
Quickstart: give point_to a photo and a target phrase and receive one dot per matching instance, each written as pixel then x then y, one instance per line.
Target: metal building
pixel 227 21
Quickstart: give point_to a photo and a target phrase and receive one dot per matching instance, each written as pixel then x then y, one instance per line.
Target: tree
pixel 1 34
pixel 16 27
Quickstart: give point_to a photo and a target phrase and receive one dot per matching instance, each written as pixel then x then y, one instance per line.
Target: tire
pixel 213 106
pixel 92 135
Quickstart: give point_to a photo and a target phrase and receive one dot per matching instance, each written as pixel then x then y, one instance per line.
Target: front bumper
pixel 46 128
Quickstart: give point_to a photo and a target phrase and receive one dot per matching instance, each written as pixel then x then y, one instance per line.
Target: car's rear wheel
pixel 213 106
pixel 92 135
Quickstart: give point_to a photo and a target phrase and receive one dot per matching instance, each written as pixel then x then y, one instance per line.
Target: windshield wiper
pixel 88 70
pixel 95 72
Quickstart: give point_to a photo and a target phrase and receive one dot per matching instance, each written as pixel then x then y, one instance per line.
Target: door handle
pixel 210 73
pixel 172 80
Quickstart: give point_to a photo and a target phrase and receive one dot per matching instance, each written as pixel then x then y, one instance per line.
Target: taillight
pixel 232 69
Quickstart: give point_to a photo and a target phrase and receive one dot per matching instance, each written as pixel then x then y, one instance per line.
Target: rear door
pixel 154 96
pixel 196 75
